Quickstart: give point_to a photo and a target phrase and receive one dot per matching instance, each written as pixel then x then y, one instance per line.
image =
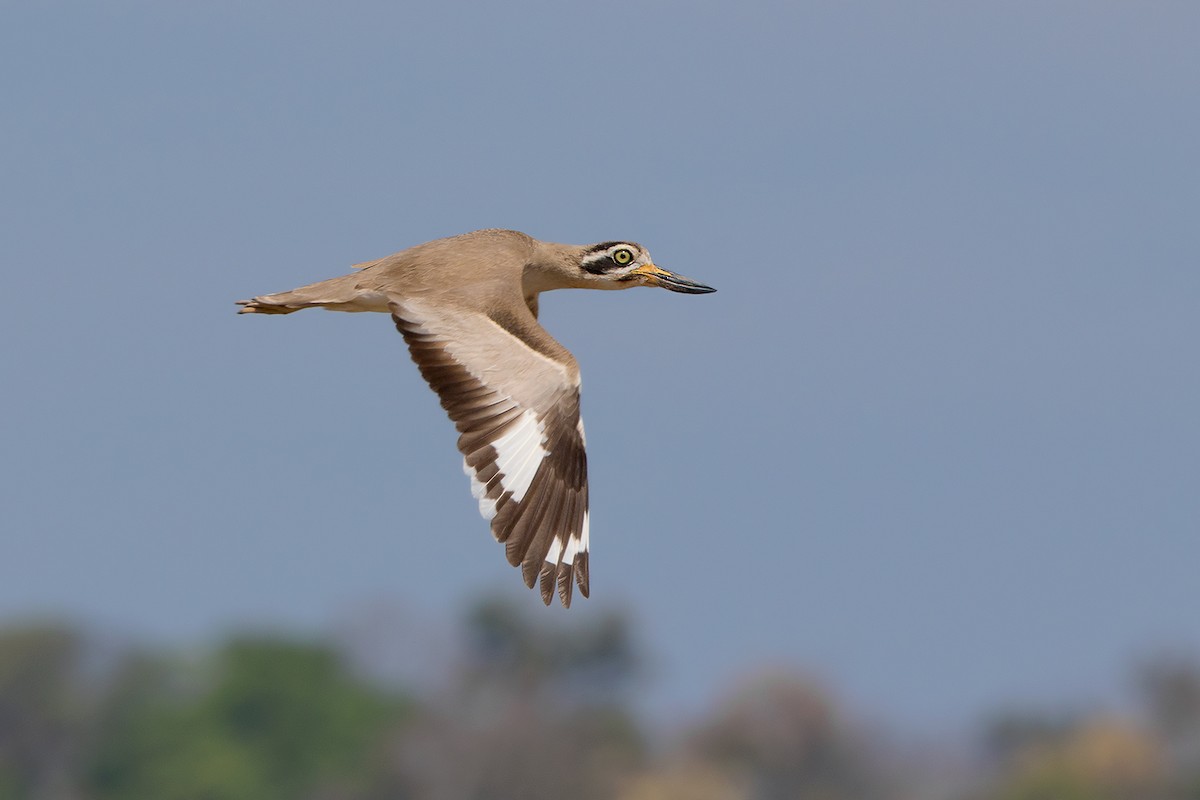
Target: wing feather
pixel 513 394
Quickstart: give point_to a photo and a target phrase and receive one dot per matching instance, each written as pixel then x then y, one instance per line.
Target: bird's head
pixel 620 265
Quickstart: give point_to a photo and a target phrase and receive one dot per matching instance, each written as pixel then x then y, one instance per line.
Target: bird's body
pixel 467 307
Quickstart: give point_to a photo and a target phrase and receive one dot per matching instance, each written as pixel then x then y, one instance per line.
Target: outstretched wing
pixel 513 394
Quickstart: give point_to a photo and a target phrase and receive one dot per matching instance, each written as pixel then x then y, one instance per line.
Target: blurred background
pixel 908 509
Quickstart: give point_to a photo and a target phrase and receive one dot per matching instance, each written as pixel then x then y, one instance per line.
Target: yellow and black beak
pixel 657 276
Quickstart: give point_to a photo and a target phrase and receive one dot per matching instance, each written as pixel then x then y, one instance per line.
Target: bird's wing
pixel 515 402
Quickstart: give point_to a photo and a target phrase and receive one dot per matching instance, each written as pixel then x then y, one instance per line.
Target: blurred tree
pixel 1170 688
pixel 1104 759
pixel 532 712
pixel 1013 733
pixel 686 780
pixel 527 710
pixel 1170 685
pixel 42 711
pixel 588 663
pixel 783 739
pixel 268 719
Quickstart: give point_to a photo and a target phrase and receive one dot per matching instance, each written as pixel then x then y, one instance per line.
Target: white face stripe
pixel 519 453
pixel 600 255
pixel 640 258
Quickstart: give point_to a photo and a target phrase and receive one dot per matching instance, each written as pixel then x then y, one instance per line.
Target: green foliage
pixel 1052 786
pixel 590 660
pixel 270 719
pixel 525 711
pixel 535 711
pixel 42 706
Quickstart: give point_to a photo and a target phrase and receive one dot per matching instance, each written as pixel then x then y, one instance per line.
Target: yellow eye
pixel 623 256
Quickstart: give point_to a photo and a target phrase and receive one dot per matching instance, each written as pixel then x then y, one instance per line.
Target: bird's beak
pixel 657 276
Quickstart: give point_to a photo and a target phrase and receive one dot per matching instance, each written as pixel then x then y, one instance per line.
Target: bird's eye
pixel 623 256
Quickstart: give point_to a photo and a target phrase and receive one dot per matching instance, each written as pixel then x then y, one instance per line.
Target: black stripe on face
pixel 599 266
pixel 602 265
pixel 596 248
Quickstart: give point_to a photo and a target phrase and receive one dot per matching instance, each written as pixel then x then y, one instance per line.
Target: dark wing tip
pixel 529 572
pixel 566 582
pixel 581 573
pixel 546 581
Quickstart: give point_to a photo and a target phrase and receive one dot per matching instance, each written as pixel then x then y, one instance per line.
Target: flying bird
pixel 467 308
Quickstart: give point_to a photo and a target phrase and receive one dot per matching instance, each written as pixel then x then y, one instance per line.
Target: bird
pixel 467 308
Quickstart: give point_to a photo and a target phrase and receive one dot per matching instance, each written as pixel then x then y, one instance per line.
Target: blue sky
pixel 934 440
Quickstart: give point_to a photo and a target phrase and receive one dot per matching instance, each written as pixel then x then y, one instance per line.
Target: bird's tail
pixel 341 294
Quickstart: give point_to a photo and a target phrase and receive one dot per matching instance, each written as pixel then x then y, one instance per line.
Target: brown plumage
pixel 467 308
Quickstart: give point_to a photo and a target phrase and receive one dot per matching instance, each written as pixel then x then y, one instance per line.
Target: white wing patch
pixel 554 551
pixel 575 545
pixel 571 549
pixel 519 453
pixel 535 500
pixel 487 506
